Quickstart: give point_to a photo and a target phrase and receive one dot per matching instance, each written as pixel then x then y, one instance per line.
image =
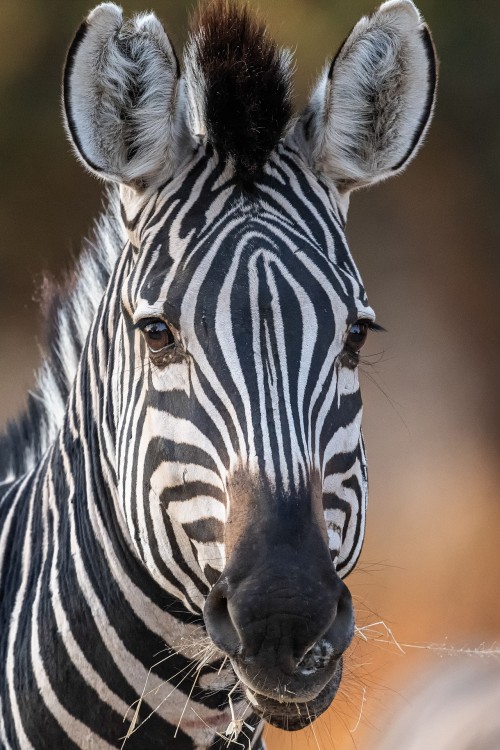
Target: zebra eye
pixel 357 335
pixel 157 334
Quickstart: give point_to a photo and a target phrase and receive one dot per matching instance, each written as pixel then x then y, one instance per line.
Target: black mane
pixel 246 84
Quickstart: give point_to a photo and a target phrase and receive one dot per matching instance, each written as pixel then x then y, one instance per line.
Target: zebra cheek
pixel 348 380
pixel 174 377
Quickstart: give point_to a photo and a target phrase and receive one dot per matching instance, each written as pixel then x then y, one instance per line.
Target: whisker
pixel 312 727
pixel 361 708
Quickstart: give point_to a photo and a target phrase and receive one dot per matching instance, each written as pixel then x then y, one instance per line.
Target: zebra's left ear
pixel 120 97
pixel 372 105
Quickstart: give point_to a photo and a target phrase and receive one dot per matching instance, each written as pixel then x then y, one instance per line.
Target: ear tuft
pixel 401 6
pixel 106 14
pixel 372 106
pixel 120 86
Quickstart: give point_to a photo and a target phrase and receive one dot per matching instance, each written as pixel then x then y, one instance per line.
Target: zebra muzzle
pixel 285 639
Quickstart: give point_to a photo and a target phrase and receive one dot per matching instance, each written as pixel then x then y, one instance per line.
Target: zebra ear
pixel 120 96
pixel 372 105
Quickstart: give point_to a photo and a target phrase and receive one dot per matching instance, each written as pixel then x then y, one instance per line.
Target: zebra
pixel 186 492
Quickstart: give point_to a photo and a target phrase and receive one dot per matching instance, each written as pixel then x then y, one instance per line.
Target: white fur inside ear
pixel 372 106
pixel 195 91
pixel 120 96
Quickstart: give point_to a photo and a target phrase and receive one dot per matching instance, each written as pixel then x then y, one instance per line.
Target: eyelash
pixel 372 326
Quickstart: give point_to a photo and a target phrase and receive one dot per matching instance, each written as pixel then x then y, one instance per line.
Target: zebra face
pixel 245 341
pixel 239 455
pixel 249 466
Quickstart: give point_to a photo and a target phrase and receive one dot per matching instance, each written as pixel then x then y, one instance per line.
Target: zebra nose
pixel 261 630
pixel 237 641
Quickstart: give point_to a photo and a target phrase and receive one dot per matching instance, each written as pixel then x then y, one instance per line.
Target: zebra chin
pixel 289 713
pixel 299 700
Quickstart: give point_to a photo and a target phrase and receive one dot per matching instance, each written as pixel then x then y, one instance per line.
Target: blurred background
pixel 427 244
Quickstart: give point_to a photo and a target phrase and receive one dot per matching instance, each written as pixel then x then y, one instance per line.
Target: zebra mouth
pixel 285 713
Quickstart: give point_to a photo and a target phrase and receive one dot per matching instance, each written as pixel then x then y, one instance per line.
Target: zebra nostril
pixel 341 632
pixel 218 622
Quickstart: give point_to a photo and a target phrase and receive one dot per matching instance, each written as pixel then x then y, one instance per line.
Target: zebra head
pixel 236 410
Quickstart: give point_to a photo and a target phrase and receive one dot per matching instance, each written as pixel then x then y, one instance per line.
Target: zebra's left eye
pixel 157 334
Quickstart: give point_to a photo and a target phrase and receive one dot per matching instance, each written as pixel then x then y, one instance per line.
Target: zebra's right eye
pixel 356 336
pixel 157 334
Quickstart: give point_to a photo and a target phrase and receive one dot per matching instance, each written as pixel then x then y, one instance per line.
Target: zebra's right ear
pixel 120 97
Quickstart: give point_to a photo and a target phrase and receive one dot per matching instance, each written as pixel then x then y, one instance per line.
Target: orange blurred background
pixel 427 245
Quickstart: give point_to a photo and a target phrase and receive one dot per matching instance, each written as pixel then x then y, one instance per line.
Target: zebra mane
pixel 239 83
pixel 69 310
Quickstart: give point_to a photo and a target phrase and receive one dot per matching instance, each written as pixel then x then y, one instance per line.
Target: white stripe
pixel 253 288
pixel 274 397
